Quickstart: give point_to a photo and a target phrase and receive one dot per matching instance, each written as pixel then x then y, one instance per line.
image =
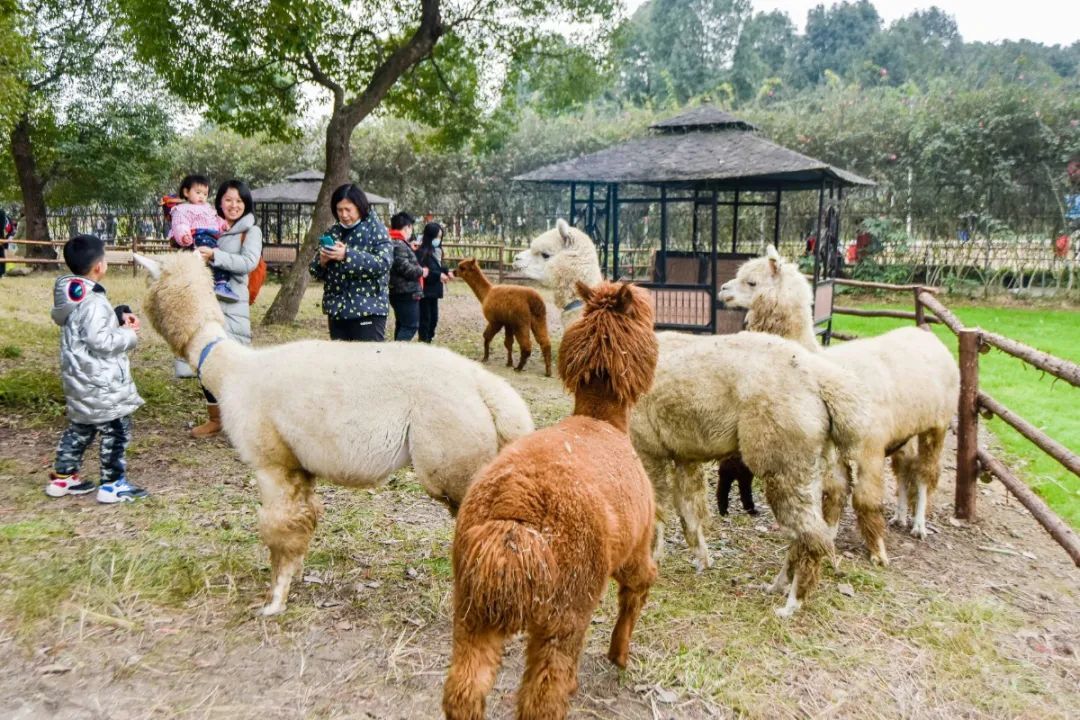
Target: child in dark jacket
pixel 406 279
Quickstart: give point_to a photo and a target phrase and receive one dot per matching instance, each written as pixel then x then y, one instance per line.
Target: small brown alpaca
pixel 553 516
pixel 515 308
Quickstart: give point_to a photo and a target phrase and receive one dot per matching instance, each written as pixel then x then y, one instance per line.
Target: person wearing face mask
pixel 430 256
pixel 354 261
pixel 406 279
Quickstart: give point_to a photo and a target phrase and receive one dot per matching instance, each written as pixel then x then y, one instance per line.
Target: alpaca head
pixel 468 268
pixel 768 278
pixel 180 300
pixel 552 253
pixel 612 342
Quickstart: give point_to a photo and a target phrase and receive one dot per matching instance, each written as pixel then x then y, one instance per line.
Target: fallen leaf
pixel 344 625
pixel 313 578
pixel 666 696
pixel 846 589
pixel 208 660
pixel 411 573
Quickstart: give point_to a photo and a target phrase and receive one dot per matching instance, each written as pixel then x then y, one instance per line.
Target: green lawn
pixel 1050 404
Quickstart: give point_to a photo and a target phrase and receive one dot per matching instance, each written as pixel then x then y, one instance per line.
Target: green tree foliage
pixel 14 64
pixel 222 154
pixel 836 39
pixel 762 53
pixel 247 64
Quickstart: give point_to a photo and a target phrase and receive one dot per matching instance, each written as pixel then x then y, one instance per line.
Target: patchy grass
pixel 1043 400
pixel 158 597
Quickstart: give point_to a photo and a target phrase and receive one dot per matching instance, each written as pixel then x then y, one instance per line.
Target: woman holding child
pixel 238 251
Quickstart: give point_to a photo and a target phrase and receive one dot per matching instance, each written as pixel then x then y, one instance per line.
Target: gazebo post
pixel 590 210
pixel 817 233
pixel 735 224
pixel 712 265
pixel 614 232
pixel 694 223
pixel 573 204
pixel 660 265
pixel 776 221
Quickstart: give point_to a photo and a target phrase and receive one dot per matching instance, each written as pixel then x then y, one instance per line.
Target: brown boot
pixel 211 426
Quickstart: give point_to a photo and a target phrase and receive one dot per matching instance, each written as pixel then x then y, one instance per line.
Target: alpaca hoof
pixel 882 560
pixel 272 609
pixel 918 531
pixel 619 659
pixel 751 511
pixel 787 610
pixel 702 563
pixel 898 520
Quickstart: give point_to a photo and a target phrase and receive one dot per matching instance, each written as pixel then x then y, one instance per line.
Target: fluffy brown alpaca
pixel 515 308
pixel 556 514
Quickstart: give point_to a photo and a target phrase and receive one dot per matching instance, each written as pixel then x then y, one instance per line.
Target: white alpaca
pixel 715 396
pixel 351 413
pixel 559 258
pixel 911 378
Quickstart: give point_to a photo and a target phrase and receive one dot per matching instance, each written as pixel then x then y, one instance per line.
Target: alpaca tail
pixel 505 571
pixel 508 411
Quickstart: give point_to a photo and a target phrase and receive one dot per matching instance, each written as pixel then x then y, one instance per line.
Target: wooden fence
pixel 971 459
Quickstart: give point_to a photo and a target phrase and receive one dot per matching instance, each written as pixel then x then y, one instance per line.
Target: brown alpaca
pixel 556 514
pixel 515 308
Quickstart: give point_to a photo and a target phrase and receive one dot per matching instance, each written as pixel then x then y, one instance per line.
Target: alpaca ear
pixel 564 232
pixel 152 266
pixel 624 298
pixel 584 291
pixel 774 259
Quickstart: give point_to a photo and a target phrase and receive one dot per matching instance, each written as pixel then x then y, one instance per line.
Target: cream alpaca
pixel 911 379
pixel 780 406
pixel 560 258
pixel 351 413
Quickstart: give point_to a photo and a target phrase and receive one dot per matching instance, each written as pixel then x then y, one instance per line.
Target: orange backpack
pixel 256 277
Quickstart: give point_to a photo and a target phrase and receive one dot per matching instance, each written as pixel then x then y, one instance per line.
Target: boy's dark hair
pixel 401 220
pixel 82 252
pixel 353 194
pixel 191 181
pixel 242 189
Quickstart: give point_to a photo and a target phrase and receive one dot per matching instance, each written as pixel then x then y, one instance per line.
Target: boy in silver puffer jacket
pixel 100 393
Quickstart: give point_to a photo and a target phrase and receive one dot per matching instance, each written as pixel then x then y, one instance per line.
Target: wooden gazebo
pixel 692 166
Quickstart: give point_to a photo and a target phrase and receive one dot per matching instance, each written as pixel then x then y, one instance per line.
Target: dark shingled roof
pixel 704 148
pixel 303 188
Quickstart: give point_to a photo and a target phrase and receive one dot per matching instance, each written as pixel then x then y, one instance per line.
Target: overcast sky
pixel 1046 21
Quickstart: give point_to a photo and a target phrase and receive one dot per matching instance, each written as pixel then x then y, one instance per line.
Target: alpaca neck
pixel 213 367
pixel 595 400
pixel 479 283
pixel 793 321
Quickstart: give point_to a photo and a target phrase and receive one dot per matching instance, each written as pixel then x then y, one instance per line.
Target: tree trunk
pixel 33 191
pixel 338 156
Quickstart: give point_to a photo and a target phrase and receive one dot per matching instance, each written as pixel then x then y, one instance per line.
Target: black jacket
pixel 405 273
pixel 433 284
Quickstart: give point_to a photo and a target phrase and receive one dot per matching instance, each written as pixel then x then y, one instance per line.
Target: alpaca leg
pixel 551 660
pixel 508 341
pixel 726 478
pixel 746 489
pixel 474 664
pixel 903 461
pixel 781 582
pixel 690 492
pixel 287 519
pixel 796 505
pixel 659 472
pixel 927 472
pixel 539 329
pixel 867 495
pixel 490 332
pixel 524 344
pixel 834 494
pixel 635 578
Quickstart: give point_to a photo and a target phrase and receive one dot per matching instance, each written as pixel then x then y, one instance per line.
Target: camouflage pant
pixel 115 436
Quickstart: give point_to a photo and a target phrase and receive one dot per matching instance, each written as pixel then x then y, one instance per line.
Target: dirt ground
pixel 147 611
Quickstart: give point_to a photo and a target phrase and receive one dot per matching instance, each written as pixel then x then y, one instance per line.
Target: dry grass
pixel 146 610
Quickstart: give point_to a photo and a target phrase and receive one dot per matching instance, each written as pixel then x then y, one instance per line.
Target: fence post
pixel 920 311
pixel 134 249
pixel 967 435
pixel 502 250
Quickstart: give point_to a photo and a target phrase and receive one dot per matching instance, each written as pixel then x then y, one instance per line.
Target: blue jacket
pixel 357 286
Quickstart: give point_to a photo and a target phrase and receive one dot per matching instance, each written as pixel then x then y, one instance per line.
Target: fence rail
pixel 972 460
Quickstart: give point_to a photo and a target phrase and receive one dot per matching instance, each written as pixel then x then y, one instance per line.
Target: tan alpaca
pixel 553 517
pixel 513 308
pixel 351 413
pixel 911 380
